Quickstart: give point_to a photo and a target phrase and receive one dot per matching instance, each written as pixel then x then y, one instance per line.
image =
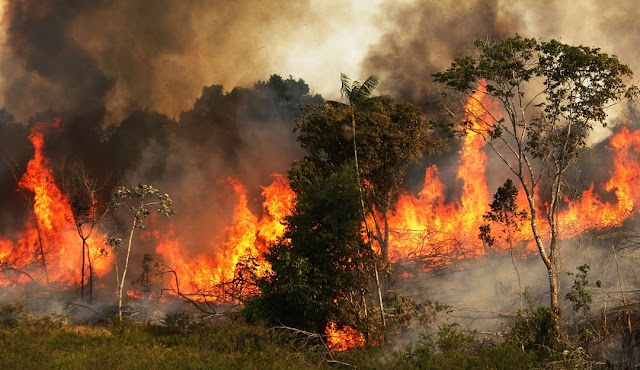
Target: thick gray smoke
pixel 423 37
pixel 67 55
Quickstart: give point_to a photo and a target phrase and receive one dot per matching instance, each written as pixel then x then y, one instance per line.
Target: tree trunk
pixel 513 260
pixel 84 249
pixel 554 291
pixel 384 244
pixel 548 259
pixel 41 250
pixel 124 270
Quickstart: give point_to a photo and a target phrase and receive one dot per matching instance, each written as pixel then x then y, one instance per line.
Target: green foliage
pixel 321 264
pixel 226 345
pixel 504 211
pixel 139 200
pixel 550 95
pixel 454 348
pixel 579 294
pixel 356 92
pixel 390 136
pixel 12 313
pixel 405 312
pixel 190 341
pixel 571 88
pixel 535 330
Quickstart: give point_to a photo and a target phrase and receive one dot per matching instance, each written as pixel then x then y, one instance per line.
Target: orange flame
pixel 51 232
pixel 342 339
pixel 590 212
pixel 424 225
pixel 247 236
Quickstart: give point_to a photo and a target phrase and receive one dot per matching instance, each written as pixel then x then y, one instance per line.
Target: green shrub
pixel 534 330
pixel 454 348
pixel 12 313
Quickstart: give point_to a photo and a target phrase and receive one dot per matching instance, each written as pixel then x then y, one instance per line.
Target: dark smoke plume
pixel 422 38
pixel 122 56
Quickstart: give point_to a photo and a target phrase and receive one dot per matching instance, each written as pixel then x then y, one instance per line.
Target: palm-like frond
pixel 367 87
pixel 355 91
pixel 345 89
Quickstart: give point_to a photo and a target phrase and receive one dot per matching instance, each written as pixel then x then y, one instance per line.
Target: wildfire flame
pixel 247 236
pixel 342 339
pixel 426 227
pixel 49 248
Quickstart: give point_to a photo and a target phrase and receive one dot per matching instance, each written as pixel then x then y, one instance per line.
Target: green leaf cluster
pixel 390 136
pixel 320 266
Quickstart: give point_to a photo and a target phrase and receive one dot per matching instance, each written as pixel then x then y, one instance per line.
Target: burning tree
pixel 551 95
pixel 138 201
pixel 82 192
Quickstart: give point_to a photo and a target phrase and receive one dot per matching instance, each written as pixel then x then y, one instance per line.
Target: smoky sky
pixel 69 55
pixel 422 37
pixel 115 57
pixel 138 68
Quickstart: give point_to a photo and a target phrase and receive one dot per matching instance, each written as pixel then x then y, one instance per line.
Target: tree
pixel 357 94
pixel 386 136
pixel 390 135
pixel 504 212
pixel 82 192
pixel 551 95
pixel 321 267
pixel 138 200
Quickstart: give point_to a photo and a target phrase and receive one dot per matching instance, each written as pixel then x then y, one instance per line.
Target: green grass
pixel 50 345
pixel 47 343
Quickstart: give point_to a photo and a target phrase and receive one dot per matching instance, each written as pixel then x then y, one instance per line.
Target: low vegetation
pixel 186 341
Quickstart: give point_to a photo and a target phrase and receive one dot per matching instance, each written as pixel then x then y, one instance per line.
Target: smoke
pixel 66 55
pixel 422 37
pixel 484 294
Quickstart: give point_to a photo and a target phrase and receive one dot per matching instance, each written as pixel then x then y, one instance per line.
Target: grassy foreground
pixel 46 344
pixel 182 342
pixel 50 344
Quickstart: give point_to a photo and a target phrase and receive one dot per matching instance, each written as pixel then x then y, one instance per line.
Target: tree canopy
pixel 390 136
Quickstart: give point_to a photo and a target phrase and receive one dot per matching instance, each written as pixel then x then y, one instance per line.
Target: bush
pixel 12 313
pixel 454 348
pixel 534 330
